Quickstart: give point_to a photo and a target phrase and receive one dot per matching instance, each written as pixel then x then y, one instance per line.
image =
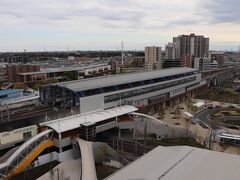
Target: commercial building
pixel 205 64
pixel 153 58
pixel 13 70
pixel 59 73
pixel 194 45
pixel 154 89
pixel 219 58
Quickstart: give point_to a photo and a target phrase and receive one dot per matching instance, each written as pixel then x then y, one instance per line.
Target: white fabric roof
pixel 188 114
pixel 73 122
pixel 181 163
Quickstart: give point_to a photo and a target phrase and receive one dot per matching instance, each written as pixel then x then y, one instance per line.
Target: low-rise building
pixel 205 64
pixel 79 72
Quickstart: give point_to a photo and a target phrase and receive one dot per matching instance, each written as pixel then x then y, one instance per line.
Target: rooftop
pixel 9 91
pixel 81 85
pixel 73 122
pixel 64 69
pixel 181 163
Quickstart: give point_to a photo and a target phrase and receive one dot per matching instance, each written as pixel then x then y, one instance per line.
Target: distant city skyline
pixel 58 25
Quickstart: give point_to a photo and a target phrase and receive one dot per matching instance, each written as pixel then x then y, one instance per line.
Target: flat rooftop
pixel 9 91
pixel 105 81
pixel 64 69
pixel 181 163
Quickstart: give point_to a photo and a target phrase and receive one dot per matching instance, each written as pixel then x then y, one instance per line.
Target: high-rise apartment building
pixel 153 58
pixel 195 45
pixel 171 51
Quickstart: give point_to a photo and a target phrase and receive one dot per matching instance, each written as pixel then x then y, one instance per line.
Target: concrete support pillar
pixel 119 133
pixel 164 105
pixel 59 142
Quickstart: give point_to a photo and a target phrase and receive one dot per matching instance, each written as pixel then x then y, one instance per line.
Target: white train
pixel 17 135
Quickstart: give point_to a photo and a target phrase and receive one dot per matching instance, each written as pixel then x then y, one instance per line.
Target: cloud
pixel 221 11
pixel 125 13
pixel 53 21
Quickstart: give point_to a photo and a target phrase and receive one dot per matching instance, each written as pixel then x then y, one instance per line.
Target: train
pixel 17 135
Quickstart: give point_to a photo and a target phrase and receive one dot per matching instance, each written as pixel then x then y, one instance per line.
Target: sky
pixel 49 25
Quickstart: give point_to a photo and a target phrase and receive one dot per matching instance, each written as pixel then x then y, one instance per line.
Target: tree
pixel 70 75
pixel 40 83
pixel 189 103
pixel 20 86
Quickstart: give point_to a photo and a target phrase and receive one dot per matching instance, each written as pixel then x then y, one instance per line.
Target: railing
pixel 11 166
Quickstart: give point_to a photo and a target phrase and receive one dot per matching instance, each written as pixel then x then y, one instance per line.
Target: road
pixel 205 115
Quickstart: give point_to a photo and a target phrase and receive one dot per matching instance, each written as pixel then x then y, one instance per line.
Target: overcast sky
pixel 39 25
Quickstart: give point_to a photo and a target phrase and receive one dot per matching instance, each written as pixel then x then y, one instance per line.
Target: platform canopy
pixel 73 122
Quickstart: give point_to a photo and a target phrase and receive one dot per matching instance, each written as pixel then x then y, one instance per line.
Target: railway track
pixel 25 112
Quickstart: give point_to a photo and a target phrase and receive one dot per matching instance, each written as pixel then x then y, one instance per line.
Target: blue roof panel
pixel 9 91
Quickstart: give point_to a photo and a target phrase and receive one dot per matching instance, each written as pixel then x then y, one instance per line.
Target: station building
pixel 152 89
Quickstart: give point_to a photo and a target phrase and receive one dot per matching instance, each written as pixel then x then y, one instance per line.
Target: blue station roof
pixel 10 91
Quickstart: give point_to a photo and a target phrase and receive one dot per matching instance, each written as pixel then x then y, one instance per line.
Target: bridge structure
pixel 25 154
pixel 216 77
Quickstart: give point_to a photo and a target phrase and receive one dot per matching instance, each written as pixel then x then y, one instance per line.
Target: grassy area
pixel 175 142
pixel 237 123
pixel 227 95
pixel 226 113
pixel 227 84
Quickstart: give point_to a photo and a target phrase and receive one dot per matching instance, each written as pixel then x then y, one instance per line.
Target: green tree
pixel 20 86
pixel 70 75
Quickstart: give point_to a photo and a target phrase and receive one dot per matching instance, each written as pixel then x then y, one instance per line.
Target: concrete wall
pixel 157 128
pixel 54 156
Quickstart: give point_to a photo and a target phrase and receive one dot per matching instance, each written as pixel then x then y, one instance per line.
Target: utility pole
pixel 1 112
pixel 145 136
pixel 122 53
